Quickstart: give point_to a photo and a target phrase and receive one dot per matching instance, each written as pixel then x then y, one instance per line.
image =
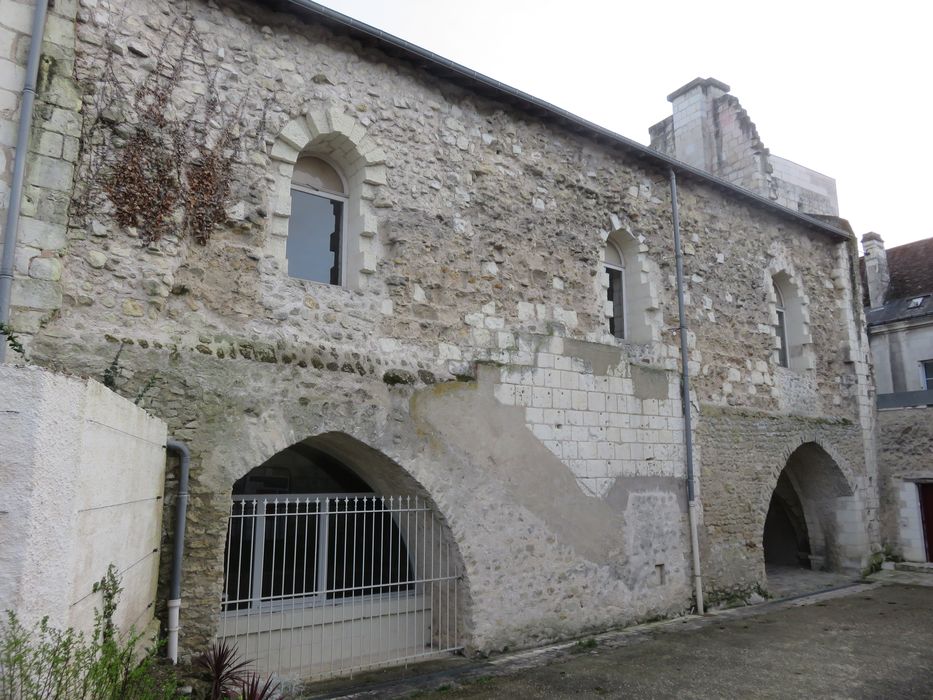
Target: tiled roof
pixel 911 269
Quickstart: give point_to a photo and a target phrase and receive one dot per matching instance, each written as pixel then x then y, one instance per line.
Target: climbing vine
pixel 161 162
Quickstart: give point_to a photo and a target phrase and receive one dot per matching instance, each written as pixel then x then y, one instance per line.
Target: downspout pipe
pixel 685 400
pixel 11 227
pixel 181 509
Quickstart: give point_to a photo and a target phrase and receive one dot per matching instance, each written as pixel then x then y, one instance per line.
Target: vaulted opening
pixel 336 559
pixel 812 521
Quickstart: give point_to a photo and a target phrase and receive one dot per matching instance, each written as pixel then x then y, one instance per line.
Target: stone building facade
pixel 465 353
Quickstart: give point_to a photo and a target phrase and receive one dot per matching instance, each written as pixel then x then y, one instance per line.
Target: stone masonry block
pixel 296 134
pixel 284 152
pixel 36 294
pixel 40 234
pixel 51 173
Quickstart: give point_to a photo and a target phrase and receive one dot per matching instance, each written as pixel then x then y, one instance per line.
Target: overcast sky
pixel 844 88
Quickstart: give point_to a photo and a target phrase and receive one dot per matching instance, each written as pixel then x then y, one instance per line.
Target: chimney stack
pixel 876 269
pixel 695 124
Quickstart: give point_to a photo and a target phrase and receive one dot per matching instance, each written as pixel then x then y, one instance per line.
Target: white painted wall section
pixel 81 477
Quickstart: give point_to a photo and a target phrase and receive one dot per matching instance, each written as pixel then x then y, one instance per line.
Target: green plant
pixel 12 339
pixel 225 668
pixel 45 663
pixel 112 373
pixel 584 645
pixel 252 688
pixel 145 389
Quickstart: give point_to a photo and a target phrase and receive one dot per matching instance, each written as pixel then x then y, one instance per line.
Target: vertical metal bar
pixel 353 579
pixel 259 553
pixel 406 617
pixel 304 585
pixel 323 535
pixel 275 534
pixel 372 580
pixel 382 570
pixel 433 602
pixel 388 616
pixel 416 565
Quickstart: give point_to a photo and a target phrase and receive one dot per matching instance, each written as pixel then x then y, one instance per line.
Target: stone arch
pixel 375 473
pixel 820 491
pixel 341 140
pixel 781 275
pixel 642 304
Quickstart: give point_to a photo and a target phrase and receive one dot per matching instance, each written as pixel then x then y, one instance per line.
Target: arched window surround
pixel 341 141
pixel 788 308
pixel 639 275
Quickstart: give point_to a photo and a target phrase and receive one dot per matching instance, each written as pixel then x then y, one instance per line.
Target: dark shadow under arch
pixel 801 526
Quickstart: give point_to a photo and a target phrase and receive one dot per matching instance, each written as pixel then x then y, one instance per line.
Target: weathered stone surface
pixel 96 259
pixel 553 450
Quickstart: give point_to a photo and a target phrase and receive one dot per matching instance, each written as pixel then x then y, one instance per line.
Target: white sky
pixel 841 87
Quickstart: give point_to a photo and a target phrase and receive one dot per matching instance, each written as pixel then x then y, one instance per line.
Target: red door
pixel 926 514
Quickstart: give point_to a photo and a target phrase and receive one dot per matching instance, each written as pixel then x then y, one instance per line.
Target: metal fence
pixel 320 585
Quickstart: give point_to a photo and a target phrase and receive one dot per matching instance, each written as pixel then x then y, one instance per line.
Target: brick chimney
pixel 876 269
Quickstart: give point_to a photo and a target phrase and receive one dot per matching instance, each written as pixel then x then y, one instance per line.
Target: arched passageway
pixel 336 560
pixel 813 521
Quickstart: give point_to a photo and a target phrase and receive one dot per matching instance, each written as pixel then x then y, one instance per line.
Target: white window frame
pixel 621 271
pixel 344 199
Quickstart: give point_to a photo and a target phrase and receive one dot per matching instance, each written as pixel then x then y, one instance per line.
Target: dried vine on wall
pixel 159 168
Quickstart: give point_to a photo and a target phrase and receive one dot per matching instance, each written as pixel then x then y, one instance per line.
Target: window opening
pixel 916 302
pixel 781 327
pixel 927 369
pixel 314 248
pixel 615 268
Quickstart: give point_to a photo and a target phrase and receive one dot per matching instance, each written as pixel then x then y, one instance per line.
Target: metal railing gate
pixel 320 585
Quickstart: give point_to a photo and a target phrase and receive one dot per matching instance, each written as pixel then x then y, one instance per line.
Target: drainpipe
pixel 181 508
pixel 685 400
pixel 19 164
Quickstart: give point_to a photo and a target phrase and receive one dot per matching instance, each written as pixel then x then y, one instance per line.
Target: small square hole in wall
pixel 662 577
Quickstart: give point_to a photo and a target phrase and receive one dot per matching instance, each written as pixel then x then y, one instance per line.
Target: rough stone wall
pixel 486 230
pixel 53 151
pixel 905 457
pixel 743 453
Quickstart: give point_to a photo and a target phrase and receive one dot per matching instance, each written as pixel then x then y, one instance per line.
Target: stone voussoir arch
pixel 789 448
pixel 342 140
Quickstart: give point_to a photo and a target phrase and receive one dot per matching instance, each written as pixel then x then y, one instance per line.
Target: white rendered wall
pixel 81 477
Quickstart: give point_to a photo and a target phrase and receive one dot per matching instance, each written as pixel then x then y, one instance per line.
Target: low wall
pixel 81 478
pixel 905 458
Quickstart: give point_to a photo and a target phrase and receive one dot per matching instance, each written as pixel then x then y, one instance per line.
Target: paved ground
pixel 791 581
pixel 867 641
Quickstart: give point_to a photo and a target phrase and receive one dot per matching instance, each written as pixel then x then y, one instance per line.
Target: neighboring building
pixel 426 285
pixel 898 302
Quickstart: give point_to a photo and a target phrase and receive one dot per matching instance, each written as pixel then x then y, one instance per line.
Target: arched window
pixel 615 295
pixel 781 328
pixel 791 328
pixel 315 247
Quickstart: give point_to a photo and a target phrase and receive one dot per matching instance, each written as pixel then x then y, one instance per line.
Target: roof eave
pixel 448 69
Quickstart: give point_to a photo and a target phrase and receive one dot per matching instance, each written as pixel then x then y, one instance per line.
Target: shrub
pixel 45 663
